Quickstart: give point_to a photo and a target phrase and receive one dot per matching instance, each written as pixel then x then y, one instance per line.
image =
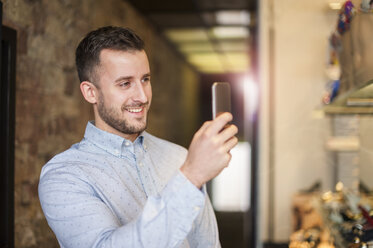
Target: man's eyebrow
pixel 126 78
pixel 123 79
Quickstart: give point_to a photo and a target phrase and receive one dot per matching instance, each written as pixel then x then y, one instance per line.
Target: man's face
pixel 124 91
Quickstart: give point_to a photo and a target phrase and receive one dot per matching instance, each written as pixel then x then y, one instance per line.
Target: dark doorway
pixel 7 109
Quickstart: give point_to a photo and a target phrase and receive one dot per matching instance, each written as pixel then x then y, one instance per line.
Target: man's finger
pixel 218 124
pixel 232 142
pixel 204 126
pixel 227 133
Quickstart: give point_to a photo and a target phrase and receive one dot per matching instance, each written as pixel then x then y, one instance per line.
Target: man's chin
pixel 135 129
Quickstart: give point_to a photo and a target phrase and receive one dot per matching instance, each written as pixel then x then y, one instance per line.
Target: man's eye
pixel 147 79
pixel 124 84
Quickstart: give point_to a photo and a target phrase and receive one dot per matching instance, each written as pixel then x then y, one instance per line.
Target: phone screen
pixel 221 98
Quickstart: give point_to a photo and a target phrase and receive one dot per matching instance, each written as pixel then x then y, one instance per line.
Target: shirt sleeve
pixel 205 230
pixel 81 219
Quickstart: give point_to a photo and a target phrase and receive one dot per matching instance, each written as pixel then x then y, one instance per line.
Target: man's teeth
pixel 134 110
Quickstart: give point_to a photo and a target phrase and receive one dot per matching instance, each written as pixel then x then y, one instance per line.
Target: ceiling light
pixel 193 47
pixel 233 17
pixel 336 4
pixel 206 63
pixel 236 45
pixel 239 60
pixel 210 69
pixel 235 63
pixel 208 59
pixel 230 32
pixel 183 35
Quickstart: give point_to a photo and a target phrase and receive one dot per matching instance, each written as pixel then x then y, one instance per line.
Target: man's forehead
pixel 110 58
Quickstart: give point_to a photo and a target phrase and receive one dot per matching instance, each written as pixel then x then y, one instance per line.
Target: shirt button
pixel 197 209
pixel 141 164
pixel 127 143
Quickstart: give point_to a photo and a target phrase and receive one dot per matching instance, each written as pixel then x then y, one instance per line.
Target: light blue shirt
pixel 109 192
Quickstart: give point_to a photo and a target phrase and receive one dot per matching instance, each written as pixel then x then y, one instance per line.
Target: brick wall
pixel 50 111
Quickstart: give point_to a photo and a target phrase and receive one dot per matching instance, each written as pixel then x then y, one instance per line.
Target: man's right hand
pixel 209 150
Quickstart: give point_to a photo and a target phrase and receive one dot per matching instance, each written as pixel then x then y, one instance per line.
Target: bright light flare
pixel 251 95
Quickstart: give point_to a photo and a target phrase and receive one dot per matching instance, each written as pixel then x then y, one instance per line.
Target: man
pixel 121 186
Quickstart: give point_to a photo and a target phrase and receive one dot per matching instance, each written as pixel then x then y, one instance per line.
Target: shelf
pixel 355 101
pixel 343 144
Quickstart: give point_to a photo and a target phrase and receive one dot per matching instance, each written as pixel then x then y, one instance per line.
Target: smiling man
pixel 121 186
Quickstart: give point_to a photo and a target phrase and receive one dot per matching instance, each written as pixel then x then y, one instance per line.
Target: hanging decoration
pixel 345 17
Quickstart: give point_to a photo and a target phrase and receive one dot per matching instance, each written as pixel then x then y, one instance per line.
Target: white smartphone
pixel 221 98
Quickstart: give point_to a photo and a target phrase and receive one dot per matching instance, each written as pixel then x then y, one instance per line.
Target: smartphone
pixel 221 98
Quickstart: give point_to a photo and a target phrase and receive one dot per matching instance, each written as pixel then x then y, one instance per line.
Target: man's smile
pixel 136 109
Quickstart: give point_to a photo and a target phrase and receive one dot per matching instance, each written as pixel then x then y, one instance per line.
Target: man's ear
pixel 89 91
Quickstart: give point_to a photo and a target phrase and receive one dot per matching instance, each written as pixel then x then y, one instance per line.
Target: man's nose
pixel 139 93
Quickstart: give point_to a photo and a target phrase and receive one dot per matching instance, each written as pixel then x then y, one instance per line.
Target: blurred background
pixel 300 76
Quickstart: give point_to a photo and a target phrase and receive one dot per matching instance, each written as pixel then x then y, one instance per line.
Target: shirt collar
pixel 111 143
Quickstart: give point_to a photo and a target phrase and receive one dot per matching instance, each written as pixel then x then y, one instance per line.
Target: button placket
pixel 143 175
pixel 155 188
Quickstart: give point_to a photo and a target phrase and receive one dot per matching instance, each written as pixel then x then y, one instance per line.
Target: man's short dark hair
pixel 87 55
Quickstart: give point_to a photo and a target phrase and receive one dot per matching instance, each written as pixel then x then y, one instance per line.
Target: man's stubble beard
pixel 112 118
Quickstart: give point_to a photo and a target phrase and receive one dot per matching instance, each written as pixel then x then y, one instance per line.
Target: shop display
pixel 333 69
pixel 333 219
pixel 366 6
pixel 350 45
pixel 309 231
pixel 346 14
pixel 343 218
pixel 349 216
